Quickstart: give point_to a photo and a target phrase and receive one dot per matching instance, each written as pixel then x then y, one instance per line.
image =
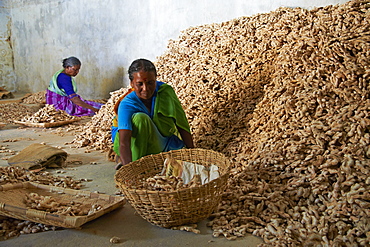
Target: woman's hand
pixel 186 137
pixel 125 146
pixel 79 102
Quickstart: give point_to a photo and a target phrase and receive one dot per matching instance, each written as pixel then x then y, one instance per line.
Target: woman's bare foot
pixel 118 166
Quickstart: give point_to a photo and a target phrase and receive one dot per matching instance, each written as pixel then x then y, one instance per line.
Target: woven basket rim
pixel 162 154
pixel 177 151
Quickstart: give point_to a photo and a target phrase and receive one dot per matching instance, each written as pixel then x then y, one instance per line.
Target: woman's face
pixel 72 70
pixel 144 84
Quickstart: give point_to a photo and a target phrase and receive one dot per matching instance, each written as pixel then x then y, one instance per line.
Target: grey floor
pixel 123 222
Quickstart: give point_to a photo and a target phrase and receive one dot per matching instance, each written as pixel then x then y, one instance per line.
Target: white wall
pixel 108 34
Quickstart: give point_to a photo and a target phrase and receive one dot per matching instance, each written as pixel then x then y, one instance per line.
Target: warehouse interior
pixel 280 88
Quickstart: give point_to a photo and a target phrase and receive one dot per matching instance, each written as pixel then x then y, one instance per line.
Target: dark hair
pixel 141 64
pixel 70 62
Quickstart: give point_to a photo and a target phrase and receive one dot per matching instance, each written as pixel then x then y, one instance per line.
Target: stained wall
pixel 107 35
pixel 7 72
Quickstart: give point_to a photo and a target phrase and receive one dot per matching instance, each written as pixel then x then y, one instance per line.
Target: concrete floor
pixel 123 222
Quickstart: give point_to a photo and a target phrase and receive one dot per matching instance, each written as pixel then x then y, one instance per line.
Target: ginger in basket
pixel 163 183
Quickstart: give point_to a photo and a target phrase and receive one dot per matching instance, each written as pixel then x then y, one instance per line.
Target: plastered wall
pixel 7 73
pixel 107 35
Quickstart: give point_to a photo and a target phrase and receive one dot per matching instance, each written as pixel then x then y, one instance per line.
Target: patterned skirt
pixel 64 103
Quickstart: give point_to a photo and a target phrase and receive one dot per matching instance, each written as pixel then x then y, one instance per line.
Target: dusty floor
pixel 123 222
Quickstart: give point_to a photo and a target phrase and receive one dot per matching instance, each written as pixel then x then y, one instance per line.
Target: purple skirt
pixel 64 103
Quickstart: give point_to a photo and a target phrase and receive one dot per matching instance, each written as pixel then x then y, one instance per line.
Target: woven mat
pixel 13 204
pixel 38 156
pixel 46 125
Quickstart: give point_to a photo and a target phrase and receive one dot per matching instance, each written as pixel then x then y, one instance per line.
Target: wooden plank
pixel 7 101
pixel 14 99
pixel 46 125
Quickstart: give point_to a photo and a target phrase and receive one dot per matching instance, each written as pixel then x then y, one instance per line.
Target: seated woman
pixel 150 117
pixel 62 91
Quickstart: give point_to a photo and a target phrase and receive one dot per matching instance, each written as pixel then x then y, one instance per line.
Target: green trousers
pixel 146 139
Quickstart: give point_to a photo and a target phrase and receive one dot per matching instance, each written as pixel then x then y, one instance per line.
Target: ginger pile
pixel 286 96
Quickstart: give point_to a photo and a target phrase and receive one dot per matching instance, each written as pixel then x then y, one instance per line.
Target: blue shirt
pixel 65 82
pixel 132 104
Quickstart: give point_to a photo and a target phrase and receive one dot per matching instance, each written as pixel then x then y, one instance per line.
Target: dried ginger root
pixel 48 114
pixel 51 205
pixel 9 174
pixel 188 228
pixel 285 95
pixel 165 183
pixel 14 111
pixel 35 98
pixel 96 134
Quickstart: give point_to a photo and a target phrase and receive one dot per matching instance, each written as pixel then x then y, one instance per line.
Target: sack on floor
pixel 4 94
pixel 38 156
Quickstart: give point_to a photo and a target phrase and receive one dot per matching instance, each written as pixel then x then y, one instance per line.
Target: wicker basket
pixel 12 203
pixel 184 206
